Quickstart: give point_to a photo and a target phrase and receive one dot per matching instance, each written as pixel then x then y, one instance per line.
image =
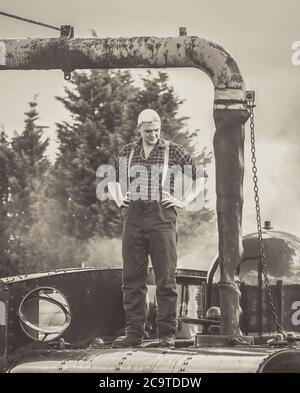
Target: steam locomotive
pixel 65 320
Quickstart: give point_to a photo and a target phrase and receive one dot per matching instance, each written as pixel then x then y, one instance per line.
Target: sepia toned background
pixel 258 34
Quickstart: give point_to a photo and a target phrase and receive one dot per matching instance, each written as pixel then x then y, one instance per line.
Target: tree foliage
pixel 104 107
pixel 50 215
pixel 24 165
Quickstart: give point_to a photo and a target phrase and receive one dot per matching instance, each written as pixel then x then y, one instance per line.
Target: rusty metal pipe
pixel 137 52
pixel 229 157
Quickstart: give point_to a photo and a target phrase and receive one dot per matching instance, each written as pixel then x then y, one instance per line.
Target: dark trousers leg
pixel 162 247
pixel 135 273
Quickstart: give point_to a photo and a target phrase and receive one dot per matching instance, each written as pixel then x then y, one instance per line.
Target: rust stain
pixel 134 52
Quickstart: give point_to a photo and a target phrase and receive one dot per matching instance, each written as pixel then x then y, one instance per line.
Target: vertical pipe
pixel 244 305
pixel 229 156
pixel 279 290
pixel 259 315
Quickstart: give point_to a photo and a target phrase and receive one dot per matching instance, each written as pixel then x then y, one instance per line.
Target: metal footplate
pixel 202 340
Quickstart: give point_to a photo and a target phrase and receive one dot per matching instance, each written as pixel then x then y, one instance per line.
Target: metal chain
pixel 29 20
pixel 262 255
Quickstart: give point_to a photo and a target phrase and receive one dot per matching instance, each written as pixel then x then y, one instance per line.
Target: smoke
pixel 194 252
pixel 277 125
pixel 287 183
pixel 198 251
pixel 104 252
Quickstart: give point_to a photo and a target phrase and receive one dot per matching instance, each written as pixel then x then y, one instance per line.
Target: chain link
pixel 262 255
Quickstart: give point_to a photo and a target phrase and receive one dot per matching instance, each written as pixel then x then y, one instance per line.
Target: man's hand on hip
pixel 169 201
pixel 125 201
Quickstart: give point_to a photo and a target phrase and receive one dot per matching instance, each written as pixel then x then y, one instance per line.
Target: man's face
pixel 150 132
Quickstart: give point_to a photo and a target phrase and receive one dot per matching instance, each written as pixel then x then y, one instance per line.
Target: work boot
pixel 167 340
pixel 127 341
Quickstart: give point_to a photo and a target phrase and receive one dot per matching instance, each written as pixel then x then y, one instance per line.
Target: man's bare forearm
pixel 116 192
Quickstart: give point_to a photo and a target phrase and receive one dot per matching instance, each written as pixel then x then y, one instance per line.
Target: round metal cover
pixel 282 257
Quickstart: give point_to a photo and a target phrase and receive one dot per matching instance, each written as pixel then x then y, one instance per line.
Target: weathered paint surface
pixel 145 360
pixel 137 52
pixel 229 157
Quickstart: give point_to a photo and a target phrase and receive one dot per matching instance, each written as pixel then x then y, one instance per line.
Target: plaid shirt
pixel 151 177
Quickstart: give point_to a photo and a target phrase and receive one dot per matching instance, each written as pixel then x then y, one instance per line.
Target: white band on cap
pixel 148 116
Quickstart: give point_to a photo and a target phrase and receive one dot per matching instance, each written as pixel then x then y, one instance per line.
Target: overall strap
pixel 166 163
pixel 130 159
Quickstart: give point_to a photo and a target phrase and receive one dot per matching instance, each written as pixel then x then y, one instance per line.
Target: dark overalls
pixel 149 229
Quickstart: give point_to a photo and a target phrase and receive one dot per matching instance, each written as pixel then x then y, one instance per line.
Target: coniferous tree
pixel 46 244
pixel 30 163
pixel 28 168
pixel 51 216
pixel 7 261
pixel 157 94
pixel 104 106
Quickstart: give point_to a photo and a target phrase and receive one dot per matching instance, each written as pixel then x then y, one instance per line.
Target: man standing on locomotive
pixel 150 226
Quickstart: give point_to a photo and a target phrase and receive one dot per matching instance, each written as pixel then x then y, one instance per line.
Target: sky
pixel 259 34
